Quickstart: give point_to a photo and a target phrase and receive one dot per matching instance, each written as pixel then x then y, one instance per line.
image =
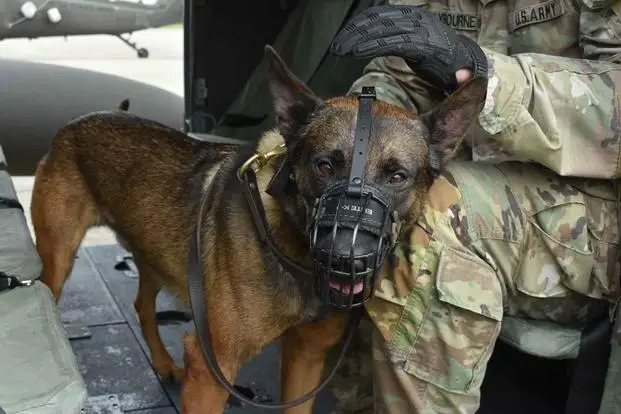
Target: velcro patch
pixel 460 21
pixel 537 13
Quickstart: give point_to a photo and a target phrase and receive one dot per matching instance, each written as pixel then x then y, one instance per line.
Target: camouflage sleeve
pixel 395 83
pixel 560 112
pixel 563 113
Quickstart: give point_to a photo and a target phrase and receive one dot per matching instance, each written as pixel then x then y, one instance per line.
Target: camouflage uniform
pixel 504 238
pixel 509 239
pixel 562 112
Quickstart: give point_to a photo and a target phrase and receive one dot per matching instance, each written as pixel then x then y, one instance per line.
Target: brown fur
pixel 144 180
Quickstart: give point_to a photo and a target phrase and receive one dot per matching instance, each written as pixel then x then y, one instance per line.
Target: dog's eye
pixel 324 166
pixel 397 178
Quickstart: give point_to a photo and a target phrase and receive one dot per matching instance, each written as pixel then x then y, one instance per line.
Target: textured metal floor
pixel 97 309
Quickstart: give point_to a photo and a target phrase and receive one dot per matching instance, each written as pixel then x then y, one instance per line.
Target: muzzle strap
pixel 361 141
pixel 368 213
pixel 351 229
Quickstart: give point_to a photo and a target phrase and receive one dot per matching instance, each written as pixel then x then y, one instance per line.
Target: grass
pixel 174 26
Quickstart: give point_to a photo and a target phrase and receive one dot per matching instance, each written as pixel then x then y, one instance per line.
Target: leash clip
pixel 260 160
pixel 9 282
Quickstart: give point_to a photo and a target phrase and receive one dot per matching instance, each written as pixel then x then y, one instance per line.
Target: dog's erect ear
pixel 293 101
pixel 449 121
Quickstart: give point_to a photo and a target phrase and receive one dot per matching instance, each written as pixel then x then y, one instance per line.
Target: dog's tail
pixel 124 105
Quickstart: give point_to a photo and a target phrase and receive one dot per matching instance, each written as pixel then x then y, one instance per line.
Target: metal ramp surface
pixel 98 314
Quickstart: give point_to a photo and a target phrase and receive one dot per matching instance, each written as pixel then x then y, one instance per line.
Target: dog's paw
pixel 170 372
pixel 178 373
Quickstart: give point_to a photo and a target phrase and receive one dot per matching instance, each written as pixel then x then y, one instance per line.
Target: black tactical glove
pixel 431 49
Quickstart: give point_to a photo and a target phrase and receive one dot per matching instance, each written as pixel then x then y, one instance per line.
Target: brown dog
pixel 124 105
pixel 145 180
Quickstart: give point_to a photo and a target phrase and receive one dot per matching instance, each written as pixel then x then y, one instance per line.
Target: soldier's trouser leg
pixel 437 316
pixel 435 359
pixel 433 341
pixel 611 398
pixel 392 386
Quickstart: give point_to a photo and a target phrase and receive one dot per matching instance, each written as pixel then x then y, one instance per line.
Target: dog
pixel 144 180
pixel 124 105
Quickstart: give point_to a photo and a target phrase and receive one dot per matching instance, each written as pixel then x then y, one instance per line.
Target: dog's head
pixel 351 230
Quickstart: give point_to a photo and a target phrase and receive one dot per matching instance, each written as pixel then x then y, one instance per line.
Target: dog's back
pixel 141 178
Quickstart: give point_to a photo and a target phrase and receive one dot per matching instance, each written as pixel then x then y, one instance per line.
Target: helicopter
pixel 43 18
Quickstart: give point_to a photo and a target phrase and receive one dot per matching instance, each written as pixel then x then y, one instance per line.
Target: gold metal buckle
pixel 259 160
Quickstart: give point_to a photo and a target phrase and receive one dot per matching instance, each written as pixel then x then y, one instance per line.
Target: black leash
pixel 198 301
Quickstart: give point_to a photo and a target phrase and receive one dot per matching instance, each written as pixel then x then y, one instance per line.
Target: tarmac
pixel 107 54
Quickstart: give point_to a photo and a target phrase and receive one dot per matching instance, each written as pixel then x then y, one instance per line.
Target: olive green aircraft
pixel 42 18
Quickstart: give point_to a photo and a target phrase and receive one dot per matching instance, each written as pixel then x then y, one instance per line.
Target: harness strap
pixel 199 305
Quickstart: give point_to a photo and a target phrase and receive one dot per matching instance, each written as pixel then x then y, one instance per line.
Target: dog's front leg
pixel 304 349
pixel 201 393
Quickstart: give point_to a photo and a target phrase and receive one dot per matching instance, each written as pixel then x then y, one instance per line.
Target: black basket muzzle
pixel 351 227
pixel 350 241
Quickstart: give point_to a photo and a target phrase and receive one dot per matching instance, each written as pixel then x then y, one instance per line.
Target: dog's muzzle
pixel 350 241
pixel 352 227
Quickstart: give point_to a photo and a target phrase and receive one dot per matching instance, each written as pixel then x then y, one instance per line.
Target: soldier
pixel 535 239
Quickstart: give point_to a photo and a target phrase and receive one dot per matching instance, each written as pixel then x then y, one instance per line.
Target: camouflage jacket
pixel 555 75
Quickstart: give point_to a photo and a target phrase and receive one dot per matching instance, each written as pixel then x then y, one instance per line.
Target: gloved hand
pixel 434 51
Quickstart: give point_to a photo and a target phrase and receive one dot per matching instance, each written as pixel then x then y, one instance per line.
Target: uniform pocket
pixel 603 223
pixel 558 253
pixel 450 321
